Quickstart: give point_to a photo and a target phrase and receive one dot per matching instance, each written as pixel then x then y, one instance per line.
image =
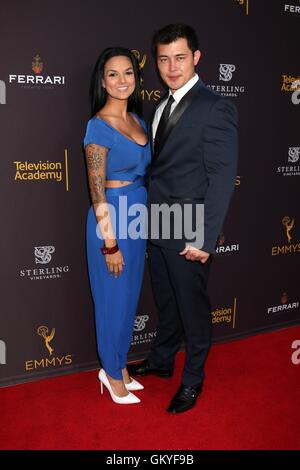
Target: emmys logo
pixel 137 55
pixel 288 224
pixel 290 248
pixel 225 314
pixel 146 94
pixel 47 362
pixel 295 358
pixel 43 332
pixel 43 254
pixel 2 92
pixel 294 153
pixel 2 352
pixel 37 81
pixel 284 306
pixel 226 71
pixel 140 322
pixel 224 248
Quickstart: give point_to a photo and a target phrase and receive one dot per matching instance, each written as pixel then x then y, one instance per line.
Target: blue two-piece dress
pixel 116 299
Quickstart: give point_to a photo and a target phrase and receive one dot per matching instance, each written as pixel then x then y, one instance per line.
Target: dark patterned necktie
pixel 163 122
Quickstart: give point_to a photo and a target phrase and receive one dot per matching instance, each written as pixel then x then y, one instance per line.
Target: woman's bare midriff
pixel 116 183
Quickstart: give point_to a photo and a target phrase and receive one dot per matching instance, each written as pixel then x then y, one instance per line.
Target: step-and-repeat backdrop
pixel 250 53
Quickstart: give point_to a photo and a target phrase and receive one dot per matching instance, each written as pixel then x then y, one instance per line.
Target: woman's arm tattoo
pixel 96 166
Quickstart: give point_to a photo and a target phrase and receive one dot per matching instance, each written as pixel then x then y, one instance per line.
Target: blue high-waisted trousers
pixel 116 299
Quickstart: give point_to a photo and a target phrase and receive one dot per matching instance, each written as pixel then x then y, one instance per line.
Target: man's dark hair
pixel 171 32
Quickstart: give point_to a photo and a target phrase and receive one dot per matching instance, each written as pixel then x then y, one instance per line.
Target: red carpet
pixel 250 401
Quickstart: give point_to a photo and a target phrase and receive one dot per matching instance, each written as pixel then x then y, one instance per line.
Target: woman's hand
pixel 115 263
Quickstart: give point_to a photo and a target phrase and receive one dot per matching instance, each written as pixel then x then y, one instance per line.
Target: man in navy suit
pixel 194 132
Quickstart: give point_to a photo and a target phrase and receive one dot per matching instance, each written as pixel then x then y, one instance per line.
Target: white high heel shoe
pixel 127 400
pixel 134 385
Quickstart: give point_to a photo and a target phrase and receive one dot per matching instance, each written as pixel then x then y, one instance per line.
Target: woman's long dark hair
pixel 98 94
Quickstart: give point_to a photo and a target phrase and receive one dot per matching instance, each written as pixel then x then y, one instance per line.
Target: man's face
pixel 176 63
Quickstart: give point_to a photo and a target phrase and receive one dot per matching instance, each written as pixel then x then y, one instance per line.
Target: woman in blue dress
pixel 117 154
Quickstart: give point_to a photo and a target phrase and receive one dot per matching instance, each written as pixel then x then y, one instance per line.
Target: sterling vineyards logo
pixel 140 324
pixel 226 71
pixel 226 74
pixel 291 169
pixel 43 256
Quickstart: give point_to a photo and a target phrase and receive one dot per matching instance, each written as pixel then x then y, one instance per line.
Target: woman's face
pixel 118 79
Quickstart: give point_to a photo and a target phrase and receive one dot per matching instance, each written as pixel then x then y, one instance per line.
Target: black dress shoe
pixel 144 368
pixel 185 398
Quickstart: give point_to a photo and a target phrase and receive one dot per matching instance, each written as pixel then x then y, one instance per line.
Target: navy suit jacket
pixel 196 161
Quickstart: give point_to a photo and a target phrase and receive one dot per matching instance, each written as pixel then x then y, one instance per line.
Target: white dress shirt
pixel 177 95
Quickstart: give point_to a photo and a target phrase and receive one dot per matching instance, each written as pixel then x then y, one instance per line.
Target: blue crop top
pixel 126 160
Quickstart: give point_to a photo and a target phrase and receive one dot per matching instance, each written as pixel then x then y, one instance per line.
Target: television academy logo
pixel 290 83
pixel 38 171
pixel 284 305
pixel 140 324
pixel 293 157
pixel 37 81
pixel 50 360
pixel 148 95
pixel 2 352
pixel 226 72
pixel 225 314
pixel 291 247
pixel 223 248
pixel 43 255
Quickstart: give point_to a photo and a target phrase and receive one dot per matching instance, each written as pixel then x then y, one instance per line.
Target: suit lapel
pixel 176 114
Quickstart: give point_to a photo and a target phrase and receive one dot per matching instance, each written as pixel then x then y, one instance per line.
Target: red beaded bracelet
pixel 109 251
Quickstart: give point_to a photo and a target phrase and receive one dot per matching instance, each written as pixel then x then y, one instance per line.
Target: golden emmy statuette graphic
pixel 141 62
pixel 137 54
pixel 289 224
pixel 43 331
pixel 37 64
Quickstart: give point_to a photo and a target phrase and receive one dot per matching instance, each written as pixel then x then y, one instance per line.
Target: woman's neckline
pixel 123 135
